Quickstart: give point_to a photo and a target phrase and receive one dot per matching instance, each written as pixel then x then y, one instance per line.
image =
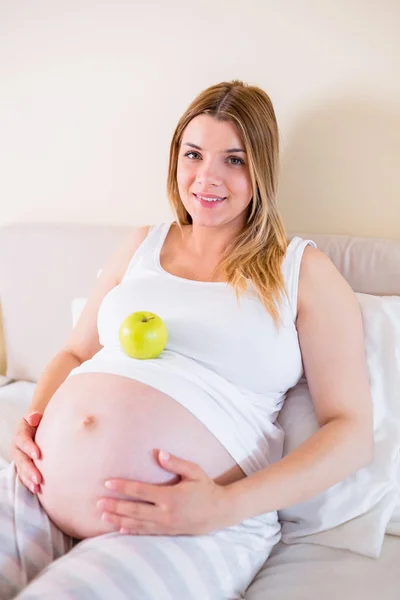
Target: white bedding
pixel 14 400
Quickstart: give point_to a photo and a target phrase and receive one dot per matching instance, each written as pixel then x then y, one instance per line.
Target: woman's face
pixel 212 163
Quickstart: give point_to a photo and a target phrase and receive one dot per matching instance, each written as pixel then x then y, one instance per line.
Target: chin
pixel 208 222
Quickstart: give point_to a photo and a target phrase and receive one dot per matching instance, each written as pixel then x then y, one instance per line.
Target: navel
pixel 89 421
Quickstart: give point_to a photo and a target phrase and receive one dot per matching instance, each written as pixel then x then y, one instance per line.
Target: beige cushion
pixel 370 265
pixel 308 572
pixel 44 266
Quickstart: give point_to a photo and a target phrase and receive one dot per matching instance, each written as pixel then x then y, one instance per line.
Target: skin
pixel 212 170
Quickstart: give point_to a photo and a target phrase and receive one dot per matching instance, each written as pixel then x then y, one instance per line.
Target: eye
pixel 236 161
pixel 240 161
pixel 191 152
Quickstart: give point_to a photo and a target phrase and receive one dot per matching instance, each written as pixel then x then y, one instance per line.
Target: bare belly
pixel 99 426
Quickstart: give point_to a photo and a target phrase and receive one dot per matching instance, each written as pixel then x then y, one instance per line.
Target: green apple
pixel 143 335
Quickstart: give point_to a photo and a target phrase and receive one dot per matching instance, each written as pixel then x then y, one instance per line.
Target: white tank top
pixel 224 361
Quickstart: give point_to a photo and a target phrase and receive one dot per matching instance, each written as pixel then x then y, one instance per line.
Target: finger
pixel 137 510
pixel 32 487
pixel 34 419
pixel 138 490
pixel 27 445
pixel 177 465
pixel 128 525
pixel 26 469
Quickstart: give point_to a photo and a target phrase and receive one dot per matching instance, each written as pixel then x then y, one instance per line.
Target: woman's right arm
pixel 81 345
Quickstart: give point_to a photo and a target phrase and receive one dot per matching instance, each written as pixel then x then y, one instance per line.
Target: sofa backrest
pixel 43 267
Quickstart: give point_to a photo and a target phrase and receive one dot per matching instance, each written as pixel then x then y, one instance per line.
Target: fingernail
pixel 34 455
pixel 164 455
pixel 106 517
pixel 101 504
pixel 35 479
pixel 123 530
pixel 111 485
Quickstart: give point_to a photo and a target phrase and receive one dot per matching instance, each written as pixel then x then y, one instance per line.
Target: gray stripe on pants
pixel 10 565
pixel 60 582
pixel 121 573
pixel 202 562
pixel 167 570
pixel 74 589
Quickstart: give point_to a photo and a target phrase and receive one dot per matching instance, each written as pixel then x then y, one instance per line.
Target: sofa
pixel 344 543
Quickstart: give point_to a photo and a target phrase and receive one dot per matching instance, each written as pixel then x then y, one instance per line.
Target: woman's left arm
pixel 330 330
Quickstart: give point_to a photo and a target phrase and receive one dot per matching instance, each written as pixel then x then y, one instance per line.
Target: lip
pixel 210 196
pixel 210 204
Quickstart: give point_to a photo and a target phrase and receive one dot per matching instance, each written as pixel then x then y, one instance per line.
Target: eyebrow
pixel 229 149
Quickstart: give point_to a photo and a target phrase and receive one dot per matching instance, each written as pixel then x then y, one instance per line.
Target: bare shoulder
pixel 128 246
pixel 315 261
pixel 137 235
pixel 320 281
pixel 83 341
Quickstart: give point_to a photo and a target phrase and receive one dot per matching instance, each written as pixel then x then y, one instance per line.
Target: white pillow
pixel 14 401
pixel 354 514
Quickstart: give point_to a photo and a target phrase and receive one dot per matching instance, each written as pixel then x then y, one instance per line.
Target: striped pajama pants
pixel 40 562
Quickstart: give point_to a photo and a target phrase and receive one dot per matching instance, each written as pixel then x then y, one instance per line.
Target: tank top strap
pixel 291 269
pixel 145 253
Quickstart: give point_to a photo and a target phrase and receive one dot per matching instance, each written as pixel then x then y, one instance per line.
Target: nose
pixel 207 173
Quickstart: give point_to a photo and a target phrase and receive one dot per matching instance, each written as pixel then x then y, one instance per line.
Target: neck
pixel 211 242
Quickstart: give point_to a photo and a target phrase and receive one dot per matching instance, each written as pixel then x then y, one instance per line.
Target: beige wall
pixel 91 91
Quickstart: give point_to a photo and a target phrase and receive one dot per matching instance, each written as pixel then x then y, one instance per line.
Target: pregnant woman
pixel 247 313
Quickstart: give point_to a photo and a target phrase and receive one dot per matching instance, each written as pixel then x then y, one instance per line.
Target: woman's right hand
pixel 24 449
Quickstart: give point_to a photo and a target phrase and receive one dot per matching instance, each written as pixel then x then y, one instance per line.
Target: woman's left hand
pixel 195 505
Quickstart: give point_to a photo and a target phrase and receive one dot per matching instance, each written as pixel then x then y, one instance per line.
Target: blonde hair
pixel 256 253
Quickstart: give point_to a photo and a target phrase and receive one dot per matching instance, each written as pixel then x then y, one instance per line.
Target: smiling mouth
pixel 210 198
